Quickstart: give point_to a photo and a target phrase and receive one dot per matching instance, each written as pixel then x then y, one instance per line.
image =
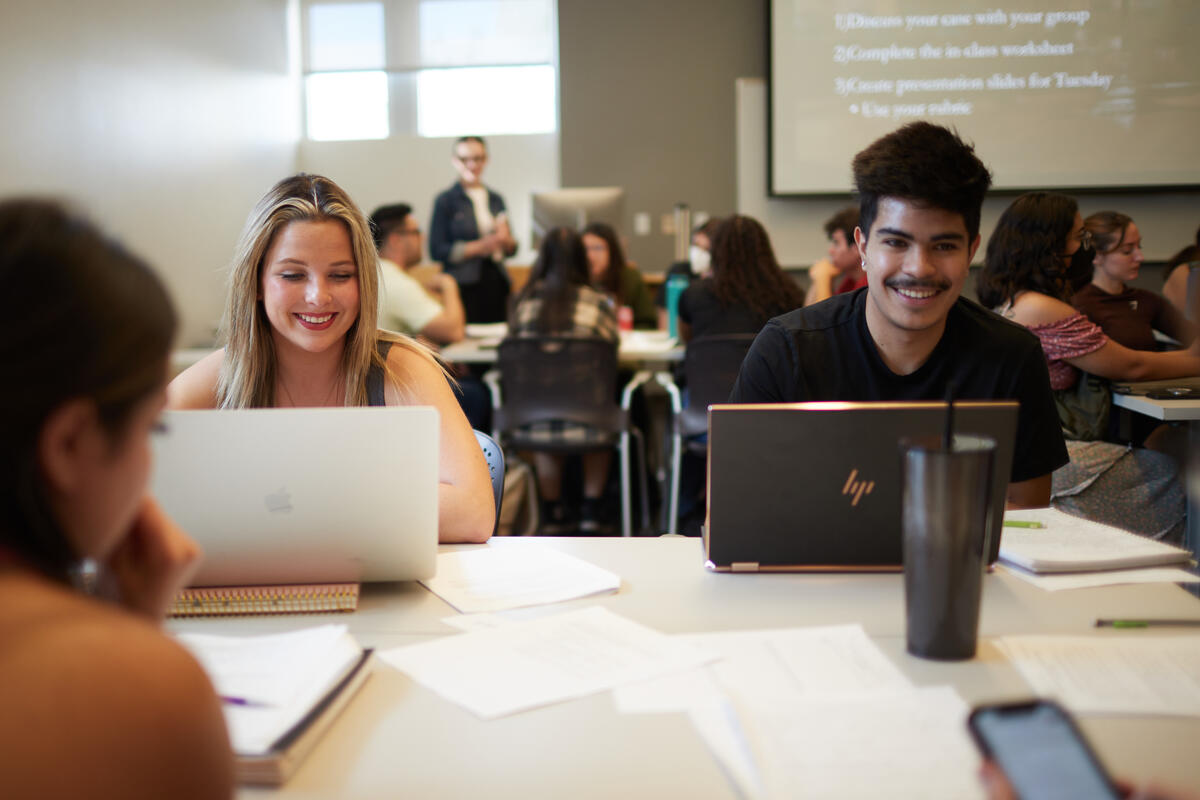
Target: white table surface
pixel 636 348
pixel 398 739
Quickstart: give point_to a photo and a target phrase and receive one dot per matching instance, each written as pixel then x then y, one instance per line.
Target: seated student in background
pixel 621 282
pixel 1177 268
pixel 745 287
pixel 300 330
pixel 559 301
pixel 697 266
pixel 909 335
pixel 1127 315
pixel 98 701
pixel 405 304
pixel 843 271
pixel 1027 256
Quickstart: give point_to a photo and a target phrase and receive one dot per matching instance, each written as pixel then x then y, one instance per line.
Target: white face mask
pixel 700 260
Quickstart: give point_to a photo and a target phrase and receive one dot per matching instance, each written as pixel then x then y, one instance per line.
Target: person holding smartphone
pixel 1034 751
pixel 98 701
pixel 470 235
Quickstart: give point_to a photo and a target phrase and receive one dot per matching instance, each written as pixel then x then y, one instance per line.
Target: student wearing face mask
pixel 697 266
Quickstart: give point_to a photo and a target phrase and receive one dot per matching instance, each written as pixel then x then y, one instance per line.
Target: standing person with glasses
pixel 470 235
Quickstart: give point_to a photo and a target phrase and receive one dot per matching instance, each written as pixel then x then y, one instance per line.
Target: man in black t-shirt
pixel 909 333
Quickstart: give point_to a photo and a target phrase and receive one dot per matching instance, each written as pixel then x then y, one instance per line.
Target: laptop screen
pixel 305 495
pixel 812 486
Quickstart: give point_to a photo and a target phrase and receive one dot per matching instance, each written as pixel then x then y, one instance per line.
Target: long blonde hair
pixel 248 371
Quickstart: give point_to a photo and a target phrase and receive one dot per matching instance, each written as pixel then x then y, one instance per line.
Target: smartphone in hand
pixel 1041 751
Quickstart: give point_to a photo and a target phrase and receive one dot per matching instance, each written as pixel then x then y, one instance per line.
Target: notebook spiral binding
pixel 213 601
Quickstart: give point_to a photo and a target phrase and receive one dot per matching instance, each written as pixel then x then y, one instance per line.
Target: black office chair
pixel 569 378
pixel 710 368
pixel 495 461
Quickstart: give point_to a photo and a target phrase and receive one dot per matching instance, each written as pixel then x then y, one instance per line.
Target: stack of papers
pixel 1065 543
pixel 279 692
pixel 817 712
pixel 497 578
pixel 910 744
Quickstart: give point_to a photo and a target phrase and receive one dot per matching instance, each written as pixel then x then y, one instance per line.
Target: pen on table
pixel 242 701
pixel 1147 623
pixel 1022 523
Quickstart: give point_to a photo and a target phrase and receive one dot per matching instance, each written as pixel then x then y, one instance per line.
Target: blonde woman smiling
pixel 300 331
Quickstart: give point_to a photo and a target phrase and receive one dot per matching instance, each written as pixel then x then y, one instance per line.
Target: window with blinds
pixel 429 68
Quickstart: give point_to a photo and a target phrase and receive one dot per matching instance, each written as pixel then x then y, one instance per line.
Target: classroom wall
pixel 647 102
pixel 164 120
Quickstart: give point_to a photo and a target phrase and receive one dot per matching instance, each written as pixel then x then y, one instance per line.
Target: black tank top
pixel 375 376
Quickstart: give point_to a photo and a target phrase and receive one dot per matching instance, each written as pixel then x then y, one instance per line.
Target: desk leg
pixel 667 382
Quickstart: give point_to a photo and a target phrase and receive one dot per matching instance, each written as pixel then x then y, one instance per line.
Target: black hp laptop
pixel 816 486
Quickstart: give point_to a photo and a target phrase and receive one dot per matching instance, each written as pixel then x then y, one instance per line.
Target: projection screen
pixel 1070 94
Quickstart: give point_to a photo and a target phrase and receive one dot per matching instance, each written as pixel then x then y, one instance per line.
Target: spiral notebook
pixel 216 601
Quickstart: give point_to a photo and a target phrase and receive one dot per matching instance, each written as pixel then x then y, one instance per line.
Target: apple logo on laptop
pixel 279 501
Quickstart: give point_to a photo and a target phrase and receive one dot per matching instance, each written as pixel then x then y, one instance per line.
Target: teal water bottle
pixel 675 286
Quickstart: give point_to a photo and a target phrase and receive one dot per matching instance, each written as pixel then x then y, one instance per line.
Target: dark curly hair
pixel 745 271
pixel 1025 250
pixel 926 164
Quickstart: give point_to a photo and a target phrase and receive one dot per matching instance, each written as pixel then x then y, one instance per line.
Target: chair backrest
pixel 569 378
pixel 495 461
pixel 710 367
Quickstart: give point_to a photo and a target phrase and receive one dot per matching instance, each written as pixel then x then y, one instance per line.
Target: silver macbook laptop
pixel 816 486
pixel 312 495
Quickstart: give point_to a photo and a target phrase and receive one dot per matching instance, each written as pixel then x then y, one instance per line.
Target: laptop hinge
pixel 744 566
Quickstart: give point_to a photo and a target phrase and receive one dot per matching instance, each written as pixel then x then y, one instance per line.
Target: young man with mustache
pixel 908 334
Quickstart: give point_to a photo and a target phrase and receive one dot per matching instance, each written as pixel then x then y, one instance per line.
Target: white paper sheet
pixel 906 744
pixel 528 664
pixel 497 578
pixel 476 622
pixel 1086 580
pixel 1125 672
pixel 787 663
pixel 261 669
pixel 718 725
